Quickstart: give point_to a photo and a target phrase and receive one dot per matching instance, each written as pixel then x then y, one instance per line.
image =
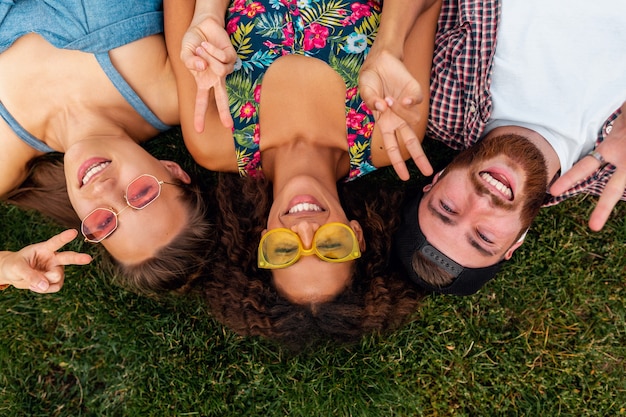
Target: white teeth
pixel 299 208
pixel 93 170
pixel 499 186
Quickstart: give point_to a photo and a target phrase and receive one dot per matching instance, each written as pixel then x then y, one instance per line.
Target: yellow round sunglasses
pixel 332 242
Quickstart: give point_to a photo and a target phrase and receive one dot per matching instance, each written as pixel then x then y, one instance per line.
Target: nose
pixel 482 201
pixel 306 230
pixel 107 193
pixel 101 187
pixel 481 206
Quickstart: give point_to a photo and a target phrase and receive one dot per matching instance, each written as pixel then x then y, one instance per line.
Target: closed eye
pixel 446 207
pixel 484 238
pixel 285 250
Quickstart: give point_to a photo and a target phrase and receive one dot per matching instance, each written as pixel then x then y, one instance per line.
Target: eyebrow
pixel 482 250
pixel 449 222
pixel 445 219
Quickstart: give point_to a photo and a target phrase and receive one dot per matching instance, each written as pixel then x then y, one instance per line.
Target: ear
pixel 358 231
pixel 176 171
pixel 263 232
pixel 509 253
pixel 428 187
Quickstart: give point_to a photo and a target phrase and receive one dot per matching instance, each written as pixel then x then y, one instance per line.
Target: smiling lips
pixel 499 182
pixel 304 208
pixel 304 204
pixel 92 170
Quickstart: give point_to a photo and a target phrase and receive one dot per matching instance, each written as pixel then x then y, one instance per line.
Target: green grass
pixel 546 338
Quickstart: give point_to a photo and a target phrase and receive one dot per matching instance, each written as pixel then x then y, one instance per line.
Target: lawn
pixel 546 338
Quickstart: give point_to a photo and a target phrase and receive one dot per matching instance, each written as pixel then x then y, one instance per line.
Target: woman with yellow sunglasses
pixel 295 111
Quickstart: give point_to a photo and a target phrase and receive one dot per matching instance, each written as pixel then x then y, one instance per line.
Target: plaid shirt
pixel 460 106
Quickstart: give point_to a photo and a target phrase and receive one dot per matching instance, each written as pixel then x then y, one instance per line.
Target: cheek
pixel 80 208
pixel 272 218
pixel 508 226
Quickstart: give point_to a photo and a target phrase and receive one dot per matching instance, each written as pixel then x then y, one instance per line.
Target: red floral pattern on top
pixel 338 32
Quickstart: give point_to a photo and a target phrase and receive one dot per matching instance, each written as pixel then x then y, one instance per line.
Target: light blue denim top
pixel 94 26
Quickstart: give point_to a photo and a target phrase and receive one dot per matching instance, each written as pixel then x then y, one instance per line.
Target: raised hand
pixel 611 150
pixel 210 57
pixel 40 267
pixel 392 93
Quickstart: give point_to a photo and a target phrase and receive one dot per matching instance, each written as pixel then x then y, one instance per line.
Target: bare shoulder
pixel 146 67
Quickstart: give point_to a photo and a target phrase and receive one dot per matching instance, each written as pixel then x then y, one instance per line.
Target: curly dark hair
pixel 241 296
pixel 173 268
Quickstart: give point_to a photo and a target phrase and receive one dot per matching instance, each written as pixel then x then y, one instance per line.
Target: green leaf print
pixel 245 138
pixel 356 153
pixel 240 90
pixel 271 25
pixel 327 13
pixel 241 40
pixel 347 67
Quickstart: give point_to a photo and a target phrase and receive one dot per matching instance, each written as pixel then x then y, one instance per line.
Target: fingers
pixel 58 241
pixel 24 276
pixel 218 64
pixel 406 108
pixel 39 286
pixel 390 142
pixel 414 147
pixel 192 61
pixel 408 112
pixel 200 109
pixel 46 288
pixel 610 196
pixel 54 288
pixel 221 65
pixel 581 170
pixel 72 258
pixel 225 56
pixel 52 281
pixel 401 169
pixel 369 86
pixel 223 107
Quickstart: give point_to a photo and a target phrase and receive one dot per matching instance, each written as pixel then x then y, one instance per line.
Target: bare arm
pixel 394 80
pixel 212 146
pixel 208 54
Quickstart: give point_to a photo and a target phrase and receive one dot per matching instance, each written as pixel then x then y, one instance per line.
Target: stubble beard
pixel 521 152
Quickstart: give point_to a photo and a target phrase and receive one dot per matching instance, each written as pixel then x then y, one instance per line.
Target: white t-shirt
pixel 560 70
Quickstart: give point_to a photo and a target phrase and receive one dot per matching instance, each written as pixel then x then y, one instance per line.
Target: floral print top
pixel 339 32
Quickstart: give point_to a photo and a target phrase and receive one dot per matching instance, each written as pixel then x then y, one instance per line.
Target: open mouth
pixel 304 208
pixel 92 170
pixel 499 182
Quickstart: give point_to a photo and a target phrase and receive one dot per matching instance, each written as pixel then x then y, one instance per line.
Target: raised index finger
pixel 610 197
pixel 392 148
pixel 200 109
pixel 56 242
pixel 414 146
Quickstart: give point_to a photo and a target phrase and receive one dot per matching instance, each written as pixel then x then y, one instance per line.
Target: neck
pixel 326 164
pixel 553 164
pixel 68 127
pixel 64 131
